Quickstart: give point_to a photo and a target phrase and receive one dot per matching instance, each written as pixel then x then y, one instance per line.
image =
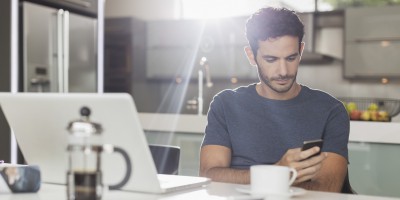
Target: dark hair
pixel 272 22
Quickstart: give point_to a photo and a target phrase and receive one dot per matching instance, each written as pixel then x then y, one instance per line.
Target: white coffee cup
pixel 271 179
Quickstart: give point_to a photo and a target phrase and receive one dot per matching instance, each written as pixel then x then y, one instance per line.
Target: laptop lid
pixel 39 122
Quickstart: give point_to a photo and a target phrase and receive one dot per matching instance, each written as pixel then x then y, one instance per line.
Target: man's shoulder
pixel 320 95
pixel 236 92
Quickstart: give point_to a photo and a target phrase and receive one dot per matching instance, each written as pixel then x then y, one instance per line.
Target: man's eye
pixel 292 58
pixel 270 60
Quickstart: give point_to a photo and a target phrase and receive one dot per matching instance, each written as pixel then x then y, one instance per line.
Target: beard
pixel 277 88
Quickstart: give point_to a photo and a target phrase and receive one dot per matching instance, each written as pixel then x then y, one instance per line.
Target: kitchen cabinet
pixel 373 60
pixel 372 42
pixel 123 53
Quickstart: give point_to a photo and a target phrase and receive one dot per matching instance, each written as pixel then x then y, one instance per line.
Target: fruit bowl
pixel 371 109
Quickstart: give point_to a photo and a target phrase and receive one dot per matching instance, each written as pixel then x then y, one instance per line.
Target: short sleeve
pixel 216 132
pixel 336 134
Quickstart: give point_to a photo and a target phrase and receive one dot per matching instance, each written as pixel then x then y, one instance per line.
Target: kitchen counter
pixel 373 132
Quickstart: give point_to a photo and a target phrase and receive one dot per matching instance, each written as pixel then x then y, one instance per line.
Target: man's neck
pixel 266 92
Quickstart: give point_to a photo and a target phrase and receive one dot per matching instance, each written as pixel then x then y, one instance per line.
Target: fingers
pixel 306 165
pixel 301 159
pixel 306 174
pixel 303 179
pixel 308 169
pixel 288 157
pixel 308 153
pixel 309 162
pixel 296 155
pixel 313 160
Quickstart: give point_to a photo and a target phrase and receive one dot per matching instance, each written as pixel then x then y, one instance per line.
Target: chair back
pixel 346 188
pixel 166 158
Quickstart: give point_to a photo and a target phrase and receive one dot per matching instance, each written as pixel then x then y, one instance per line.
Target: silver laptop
pixel 39 122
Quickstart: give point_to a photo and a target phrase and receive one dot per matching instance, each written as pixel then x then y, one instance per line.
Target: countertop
pixel 374 132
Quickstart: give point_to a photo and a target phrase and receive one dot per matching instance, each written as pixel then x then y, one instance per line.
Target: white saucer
pixel 293 191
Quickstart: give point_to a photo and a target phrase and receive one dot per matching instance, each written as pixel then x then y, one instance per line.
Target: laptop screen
pixel 39 122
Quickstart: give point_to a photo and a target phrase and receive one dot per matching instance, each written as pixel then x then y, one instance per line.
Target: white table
pixel 214 191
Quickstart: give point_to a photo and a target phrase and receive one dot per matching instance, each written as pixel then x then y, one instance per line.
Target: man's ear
pixel 301 48
pixel 250 55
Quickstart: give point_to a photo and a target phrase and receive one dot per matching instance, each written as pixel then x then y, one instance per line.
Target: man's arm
pixel 330 176
pixel 325 172
pixel 215 161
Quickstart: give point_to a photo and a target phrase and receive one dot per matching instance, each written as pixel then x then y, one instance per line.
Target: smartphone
pixel 313 143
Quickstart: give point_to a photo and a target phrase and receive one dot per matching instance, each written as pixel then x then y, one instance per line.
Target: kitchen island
pixel 360 131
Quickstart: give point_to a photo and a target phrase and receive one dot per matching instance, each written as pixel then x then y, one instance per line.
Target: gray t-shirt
pixel 260 130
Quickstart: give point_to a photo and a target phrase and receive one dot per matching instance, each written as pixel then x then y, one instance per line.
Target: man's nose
pixel 283 68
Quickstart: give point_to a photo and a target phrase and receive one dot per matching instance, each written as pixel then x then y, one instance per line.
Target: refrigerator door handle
pixel 66 51
pixel 60 53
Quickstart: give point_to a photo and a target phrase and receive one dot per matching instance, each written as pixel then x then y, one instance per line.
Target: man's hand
pixel 306 165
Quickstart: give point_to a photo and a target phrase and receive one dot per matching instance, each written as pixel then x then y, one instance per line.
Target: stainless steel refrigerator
pixel 52 46
pixel 58 47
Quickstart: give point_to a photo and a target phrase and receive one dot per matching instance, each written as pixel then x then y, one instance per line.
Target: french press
pixel 84 176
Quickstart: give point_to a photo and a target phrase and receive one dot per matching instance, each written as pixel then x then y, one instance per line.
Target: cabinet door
pixel 372 42
pixel 373 59
pixel 372 23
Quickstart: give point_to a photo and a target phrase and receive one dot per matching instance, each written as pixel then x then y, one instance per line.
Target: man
pixel 267 122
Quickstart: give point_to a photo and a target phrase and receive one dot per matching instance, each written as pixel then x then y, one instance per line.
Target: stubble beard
pixel 268 81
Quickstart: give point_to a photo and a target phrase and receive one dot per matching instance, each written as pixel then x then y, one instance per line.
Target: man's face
pixel 277 62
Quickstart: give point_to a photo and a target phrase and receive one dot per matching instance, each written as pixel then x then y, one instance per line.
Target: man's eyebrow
pixel 268 56
pixel 295 54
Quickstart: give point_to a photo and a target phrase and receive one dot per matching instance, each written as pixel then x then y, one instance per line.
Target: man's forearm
pixel 326 185
pixel 229 175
